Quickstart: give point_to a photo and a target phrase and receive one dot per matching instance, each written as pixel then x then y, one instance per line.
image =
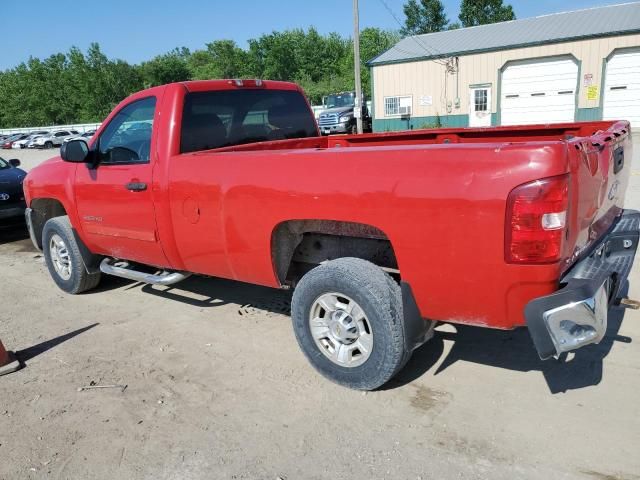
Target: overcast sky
pixel 136 30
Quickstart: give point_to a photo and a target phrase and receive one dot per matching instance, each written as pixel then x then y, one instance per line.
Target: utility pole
pixel 356 63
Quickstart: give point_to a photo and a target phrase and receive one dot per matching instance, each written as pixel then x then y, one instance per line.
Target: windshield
pixel 340 100
pixel 4 164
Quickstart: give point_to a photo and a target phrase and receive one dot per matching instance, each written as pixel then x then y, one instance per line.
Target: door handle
pixel 136 186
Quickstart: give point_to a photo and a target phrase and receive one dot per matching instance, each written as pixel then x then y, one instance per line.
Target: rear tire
pixel 63 257
pixel 368 314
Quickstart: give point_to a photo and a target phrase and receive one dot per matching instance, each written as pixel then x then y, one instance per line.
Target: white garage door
pixel 540 92
pixel 622 88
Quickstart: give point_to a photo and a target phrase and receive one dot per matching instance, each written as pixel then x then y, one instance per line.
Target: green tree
pixel 84 87
pixel 424 16
pixel 167 68
pixel 482 12
pixel 65 88
pixel 221 59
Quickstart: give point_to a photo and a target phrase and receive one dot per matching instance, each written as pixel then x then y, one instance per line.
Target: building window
pixel 394 106
pixel 480 100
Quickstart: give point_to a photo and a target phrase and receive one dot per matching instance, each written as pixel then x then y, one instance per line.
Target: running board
pixel 164 278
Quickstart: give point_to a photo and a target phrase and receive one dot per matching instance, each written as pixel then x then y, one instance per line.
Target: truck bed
pixel 438 195
pixel 597 132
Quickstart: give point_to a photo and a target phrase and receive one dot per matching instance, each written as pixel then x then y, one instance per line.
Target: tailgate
pixel 600 167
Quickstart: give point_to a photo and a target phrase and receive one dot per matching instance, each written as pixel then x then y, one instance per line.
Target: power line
pixel 414 36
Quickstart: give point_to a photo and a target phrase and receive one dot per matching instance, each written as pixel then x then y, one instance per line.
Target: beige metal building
pixel 573 66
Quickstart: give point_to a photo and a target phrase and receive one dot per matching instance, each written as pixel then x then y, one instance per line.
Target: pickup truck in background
pixel 380 235
pixel 339 114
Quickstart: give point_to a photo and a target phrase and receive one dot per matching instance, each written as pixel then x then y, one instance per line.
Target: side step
pixel 164 278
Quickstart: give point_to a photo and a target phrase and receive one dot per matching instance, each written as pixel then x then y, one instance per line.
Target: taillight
pixel 536 221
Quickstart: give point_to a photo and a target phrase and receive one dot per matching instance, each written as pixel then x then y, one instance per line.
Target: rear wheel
pixel 347 317
pixel 63 257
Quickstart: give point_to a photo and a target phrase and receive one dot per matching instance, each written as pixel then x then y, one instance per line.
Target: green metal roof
pixel 558 27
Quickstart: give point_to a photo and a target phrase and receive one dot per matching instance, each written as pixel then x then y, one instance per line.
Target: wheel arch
pixel 43 209
pixel 299 244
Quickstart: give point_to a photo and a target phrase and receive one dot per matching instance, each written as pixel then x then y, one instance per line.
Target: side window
pixel 127 138
pixel 480 100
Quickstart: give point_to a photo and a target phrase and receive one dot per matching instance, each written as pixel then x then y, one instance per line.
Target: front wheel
pixel 48 145
pixel 63 258
pixel 347 317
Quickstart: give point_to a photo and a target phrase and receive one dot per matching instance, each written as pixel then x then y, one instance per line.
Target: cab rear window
pixel 234 117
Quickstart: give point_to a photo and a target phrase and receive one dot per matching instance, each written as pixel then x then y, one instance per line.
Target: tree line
pixel 83 87
pixel 428 16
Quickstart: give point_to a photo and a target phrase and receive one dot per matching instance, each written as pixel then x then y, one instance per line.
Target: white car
pixel 25 142
pixel 86 136
pixel 54 139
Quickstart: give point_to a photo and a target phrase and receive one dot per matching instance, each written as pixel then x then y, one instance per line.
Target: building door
pixel 539 92
pixel 480 106
pixel 622 88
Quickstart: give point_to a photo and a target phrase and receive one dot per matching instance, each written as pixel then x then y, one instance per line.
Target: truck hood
pixel 337 110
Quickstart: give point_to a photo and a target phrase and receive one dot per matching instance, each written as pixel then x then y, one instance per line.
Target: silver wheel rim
pixel 60 257
pixel 341 330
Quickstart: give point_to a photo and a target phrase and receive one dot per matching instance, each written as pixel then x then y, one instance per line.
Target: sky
pixel 137 30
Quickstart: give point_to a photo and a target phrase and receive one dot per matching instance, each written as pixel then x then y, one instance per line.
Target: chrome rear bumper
pixel 576 315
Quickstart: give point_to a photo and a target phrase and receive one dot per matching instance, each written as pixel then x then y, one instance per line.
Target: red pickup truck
pixel 381 235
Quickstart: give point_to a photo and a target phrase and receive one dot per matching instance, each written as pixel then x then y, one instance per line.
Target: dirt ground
pixel 217 388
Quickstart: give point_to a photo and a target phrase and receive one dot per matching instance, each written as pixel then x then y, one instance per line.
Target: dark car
pixel 11 194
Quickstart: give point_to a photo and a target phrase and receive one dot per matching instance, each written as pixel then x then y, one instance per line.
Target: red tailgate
pixel 600 165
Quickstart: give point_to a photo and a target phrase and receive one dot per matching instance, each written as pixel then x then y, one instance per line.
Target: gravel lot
pixel 29 157
pixel 217 388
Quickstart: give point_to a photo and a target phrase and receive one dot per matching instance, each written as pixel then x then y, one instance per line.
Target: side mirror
pixel 74 151
pixel 14 162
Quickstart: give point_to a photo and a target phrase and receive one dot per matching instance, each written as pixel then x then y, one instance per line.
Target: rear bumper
pixel 335 128
pixel 576 315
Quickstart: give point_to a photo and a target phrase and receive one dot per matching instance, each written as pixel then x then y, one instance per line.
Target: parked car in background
pixel 32 143
pixel 86 136
pixel 11 194
pixel 8 142
pixel 54 139
pixel 339 116
pixel 25 141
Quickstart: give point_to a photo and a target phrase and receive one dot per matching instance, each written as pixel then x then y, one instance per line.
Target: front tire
pixel 347 317
pixel 48 145
pixel 63 257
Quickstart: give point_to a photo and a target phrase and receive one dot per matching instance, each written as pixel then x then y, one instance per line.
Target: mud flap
pixel 416 329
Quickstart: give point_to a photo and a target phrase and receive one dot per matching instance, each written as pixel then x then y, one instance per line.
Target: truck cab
pixel 339 114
